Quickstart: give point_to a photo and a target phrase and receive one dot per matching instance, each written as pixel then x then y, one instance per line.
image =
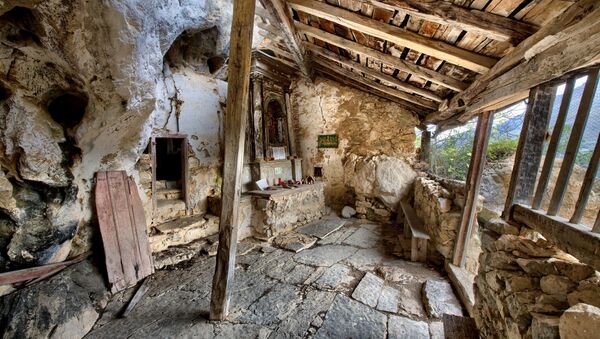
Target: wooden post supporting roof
pixel 425 153
pixel 531 145
pixel 235 125
pixel 480 144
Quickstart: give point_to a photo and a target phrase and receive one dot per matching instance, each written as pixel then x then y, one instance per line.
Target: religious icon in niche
pixel 276 124
pixel 328 141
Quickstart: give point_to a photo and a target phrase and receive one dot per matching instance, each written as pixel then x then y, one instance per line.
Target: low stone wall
pixel 438 202
pixel 525 284
pixel 371 209
pixel 283 212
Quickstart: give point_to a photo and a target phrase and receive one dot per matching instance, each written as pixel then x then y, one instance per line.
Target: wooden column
pixel 290 123
pixel 257 119
pixel 530 148
pixel 478 155
pixel 553 145
pixel 235 124
pixel 574 142
pixel 425 145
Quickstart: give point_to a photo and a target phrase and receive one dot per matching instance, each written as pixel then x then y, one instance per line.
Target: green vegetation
pixel 501 149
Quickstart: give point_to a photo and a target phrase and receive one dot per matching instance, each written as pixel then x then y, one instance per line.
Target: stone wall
pixel 377 142
pixel 439 202
pixel 525 284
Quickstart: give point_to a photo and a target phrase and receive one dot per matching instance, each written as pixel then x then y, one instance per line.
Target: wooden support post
pixel 257 119
pixel 235 125
pixel 586 186
pixel 596 228
pixel 530 148
pixel 478 155
pixel 574 141
pixel 425 145
pixel 553 146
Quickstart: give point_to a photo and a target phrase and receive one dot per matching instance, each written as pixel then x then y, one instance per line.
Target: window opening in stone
pixel 318 172
pixel 68 109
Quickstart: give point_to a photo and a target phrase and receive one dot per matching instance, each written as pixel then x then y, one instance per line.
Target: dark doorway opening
pixel 169 155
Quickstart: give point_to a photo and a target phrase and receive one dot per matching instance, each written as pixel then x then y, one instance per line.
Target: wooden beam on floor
pixel 568 162
pixel 370 83
pixel 473 183
pixel 435 48
pixel 570 42
pixel 349 82
pixel 281 14
pixel 531 145
pixel 404 86
pixel 409 67
pixel 487 24
pixel 235 128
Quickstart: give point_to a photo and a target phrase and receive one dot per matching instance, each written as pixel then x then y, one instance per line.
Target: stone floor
pixel 348 285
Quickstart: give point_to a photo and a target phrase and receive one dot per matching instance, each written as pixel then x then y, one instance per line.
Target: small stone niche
pixel 68 108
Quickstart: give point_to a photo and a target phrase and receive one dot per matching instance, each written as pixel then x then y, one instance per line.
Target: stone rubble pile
pixel 525 284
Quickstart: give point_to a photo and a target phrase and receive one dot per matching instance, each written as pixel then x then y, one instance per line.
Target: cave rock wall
pixel 83 86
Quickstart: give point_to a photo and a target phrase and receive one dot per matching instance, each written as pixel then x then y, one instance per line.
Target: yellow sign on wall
pixel 328 141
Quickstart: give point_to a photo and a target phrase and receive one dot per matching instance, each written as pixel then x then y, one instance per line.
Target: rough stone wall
pixel 376 142
pixel 284 212
pixel 439 204
pixel 109 56
pixel 525 283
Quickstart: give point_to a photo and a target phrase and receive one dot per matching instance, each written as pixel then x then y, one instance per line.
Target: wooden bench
pixel 414 228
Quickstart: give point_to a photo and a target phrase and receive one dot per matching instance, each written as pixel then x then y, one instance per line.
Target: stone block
pixel 401 327
pixel 544 326
pixel 368 290
pixel 556 284
pixel 581 321
pixel 439 299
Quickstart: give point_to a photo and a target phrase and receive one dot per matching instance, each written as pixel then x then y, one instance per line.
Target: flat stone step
pixel 463 283
pixel 183 231
pixel 169 194
pixel 439 299
pixel 168 210
pixel 322 227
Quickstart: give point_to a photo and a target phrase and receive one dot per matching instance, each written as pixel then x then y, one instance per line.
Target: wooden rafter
pixel 282 65
pixel 351 83
pixel 487 24
pixel 401 85
pixel 333 67
pixel 550 52
pixel 280 13
pixel 271 36
pixel 438 49
pixel 420 71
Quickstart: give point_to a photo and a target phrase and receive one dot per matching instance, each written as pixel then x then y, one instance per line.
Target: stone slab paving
pixel 324 255
pixel 337 276
pixel 294 241
pixel 331 290
pixel 348 318
pixel 405 328
pixel 439 299
pixel 323 227
pixel 368 290
pixel 388 299
pixel 363 238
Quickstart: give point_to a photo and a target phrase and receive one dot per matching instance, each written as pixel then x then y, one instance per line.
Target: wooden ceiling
pixel 421 53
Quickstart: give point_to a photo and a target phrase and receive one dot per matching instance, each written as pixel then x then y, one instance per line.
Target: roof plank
pixel 467 59
pixel 400 64
pixel 370 83
pixel 373 73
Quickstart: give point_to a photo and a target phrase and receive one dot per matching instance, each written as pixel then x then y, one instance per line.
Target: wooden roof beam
pixel 421 112
pixel 401 85
pixel 490 25
pixel 438 49
pixel 280 12
pixel 574 44
pixel 370 83
pixel 420 71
